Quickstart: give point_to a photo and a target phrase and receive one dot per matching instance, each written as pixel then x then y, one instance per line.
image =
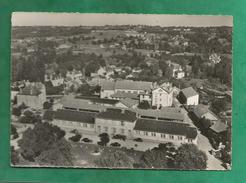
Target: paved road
pixel 204 144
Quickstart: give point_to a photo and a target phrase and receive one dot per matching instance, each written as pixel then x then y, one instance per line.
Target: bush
pixel 138 140
pixel 74 131
pixel 104 137
pixel 120 137
pixel 15 136
pixel 115 144
pixel 86 140
pixel 75 138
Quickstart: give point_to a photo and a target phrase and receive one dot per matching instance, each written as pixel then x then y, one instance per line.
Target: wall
pixel 159 138
pixel 194 100
pixel 106 93
pixel 75 125
pixel 114 127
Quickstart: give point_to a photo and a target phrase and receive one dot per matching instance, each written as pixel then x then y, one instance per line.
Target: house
pixel 145 96
pixel 176 70
pixel 107 89
pixel 165 131
pixel 116 121
pixel 74 75
pixel 202 111
pixel 189 96
pixel 32 95
pixel 162 96
pixel 69 120
pixel 127 103
pixel 218 131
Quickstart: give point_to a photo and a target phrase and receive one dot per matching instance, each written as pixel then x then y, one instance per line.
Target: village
pixel 157 94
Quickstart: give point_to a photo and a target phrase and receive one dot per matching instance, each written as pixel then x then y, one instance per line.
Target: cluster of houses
pixel 116 111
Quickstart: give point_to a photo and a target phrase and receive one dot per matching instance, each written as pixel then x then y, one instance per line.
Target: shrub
pixel 115 144
pixel 75 138
pixel 138 140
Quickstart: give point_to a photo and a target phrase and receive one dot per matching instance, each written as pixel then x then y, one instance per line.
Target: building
pixel 128 103
pixel 176 70
pixel 110 88
pixel 32 95
pixel 74 75
pixel 116 121
pixel 202 111
pixel 189 96
pixel 162 96
pixel 69 120
pixel 165 131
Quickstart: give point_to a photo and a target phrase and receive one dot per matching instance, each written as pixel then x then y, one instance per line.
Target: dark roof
pixel 201 109
pixel 165 113
pixel 98 100
pixel 133 85
pixel 48 115
pixel 128 102
pixel 160 126
pixel 120 94
pixel 118 114
pixel 108 85
pixel 77 116
pixel 218 127
pixel 189 92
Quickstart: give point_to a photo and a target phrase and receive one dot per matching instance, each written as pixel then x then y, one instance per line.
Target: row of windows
pixel 84 125
pixel 113 130
pixel 153 134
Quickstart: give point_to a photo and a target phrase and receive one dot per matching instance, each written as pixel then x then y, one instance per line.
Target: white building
pixel 162 96
pixel 32 95
pixel 189 96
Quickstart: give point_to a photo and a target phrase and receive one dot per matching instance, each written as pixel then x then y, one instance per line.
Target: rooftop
pixel 118 114
pixel 69 115
pixel 166 127
pixel 201 109
pixel 71 102
pixel 165 113
pixel 129 102
pixel 33 89
pixel 189 92
pixel 123 95
pixel 218 127
pixel 98 100
pixel 133 85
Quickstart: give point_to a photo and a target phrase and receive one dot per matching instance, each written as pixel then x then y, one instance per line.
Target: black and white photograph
pixel 121 91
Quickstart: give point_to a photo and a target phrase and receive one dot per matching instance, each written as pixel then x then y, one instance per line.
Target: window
pixel 92 125
pixel 106 129
pixel 146 133
pixel 171 136
pixel 137 132
pixel 113 130
pixel 122 123
pixel 84 125
pixel 122 131
pixel 153 134
pixel 189 140
pixel 163 135
pixel 180 137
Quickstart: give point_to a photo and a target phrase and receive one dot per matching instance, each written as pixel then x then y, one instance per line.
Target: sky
pixel 100 19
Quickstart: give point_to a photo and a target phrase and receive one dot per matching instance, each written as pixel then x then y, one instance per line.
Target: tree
pixel 115 159
pixel 30 117
pixel 104 139
pixel 218 105
pixel 16 111
pixel 47 105
pixel 189 157
pixel 155 158
pixel 144 105
pixel 41 138
pixel 59 154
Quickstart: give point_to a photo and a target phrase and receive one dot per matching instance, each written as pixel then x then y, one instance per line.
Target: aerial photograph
pixel 121 91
